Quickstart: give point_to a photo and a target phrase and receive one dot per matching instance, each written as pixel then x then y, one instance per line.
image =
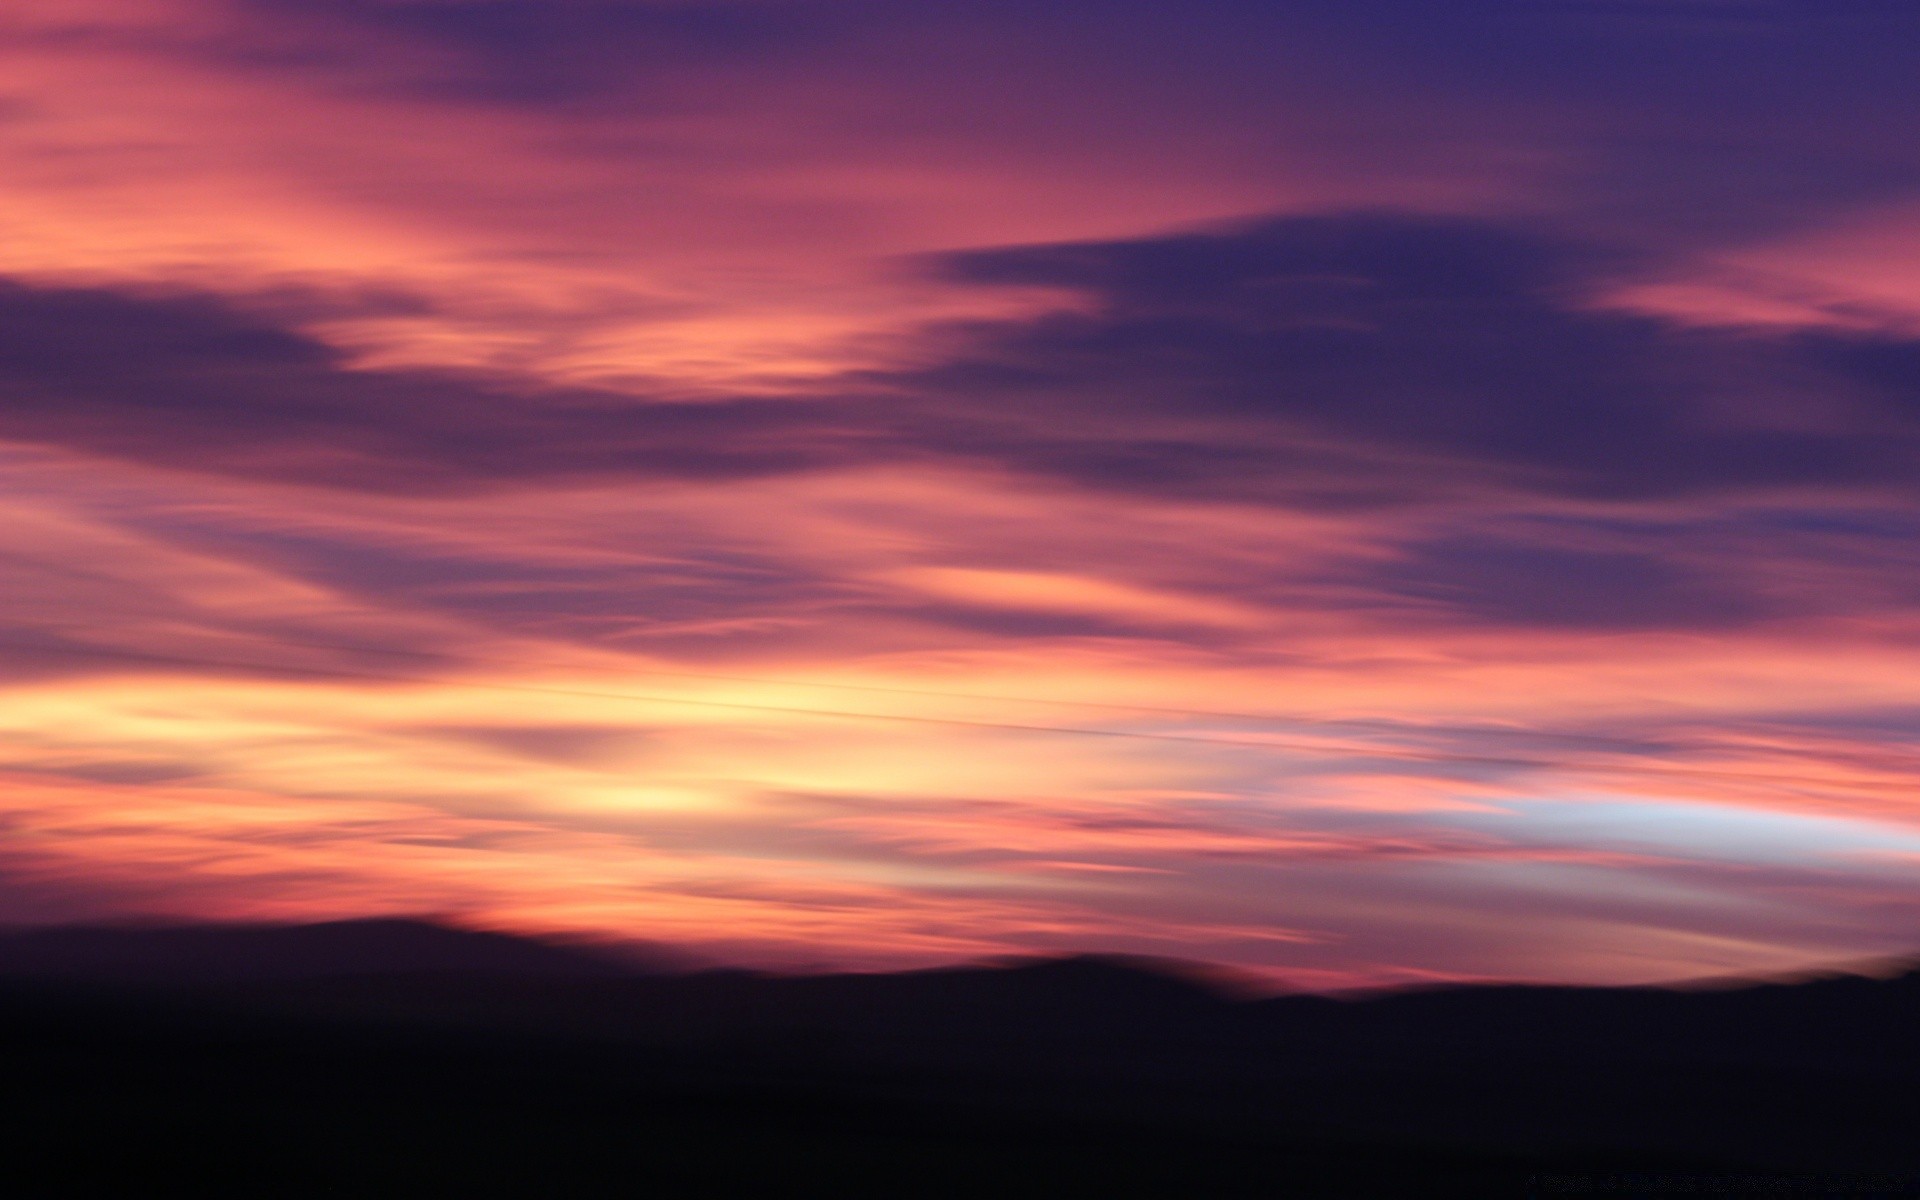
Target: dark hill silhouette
pixel 201 954
pixel 1820 1074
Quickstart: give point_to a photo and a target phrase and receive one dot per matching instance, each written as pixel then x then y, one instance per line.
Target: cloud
pixel 188 381
pixel 1509 583
pixel 1406 355
pixel 1385 367
pixel 547 52
pixel 1302 361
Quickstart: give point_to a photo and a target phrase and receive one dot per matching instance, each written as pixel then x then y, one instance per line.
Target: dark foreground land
pixel 397 1059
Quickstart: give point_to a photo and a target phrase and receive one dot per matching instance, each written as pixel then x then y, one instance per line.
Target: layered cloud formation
pixel 1359 492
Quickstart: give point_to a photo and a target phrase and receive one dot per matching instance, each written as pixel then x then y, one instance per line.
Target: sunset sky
pixel 1360 491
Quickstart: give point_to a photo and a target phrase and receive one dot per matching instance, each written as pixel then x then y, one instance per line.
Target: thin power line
pixel 1396 753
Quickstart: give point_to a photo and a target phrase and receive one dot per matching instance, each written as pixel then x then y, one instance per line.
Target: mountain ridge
pixel 1822 1072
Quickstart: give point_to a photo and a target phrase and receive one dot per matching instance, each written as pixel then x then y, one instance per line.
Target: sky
pixel 1356 491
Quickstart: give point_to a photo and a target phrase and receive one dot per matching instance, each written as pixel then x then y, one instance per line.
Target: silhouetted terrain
pixel 203 954
pixel 401 1058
